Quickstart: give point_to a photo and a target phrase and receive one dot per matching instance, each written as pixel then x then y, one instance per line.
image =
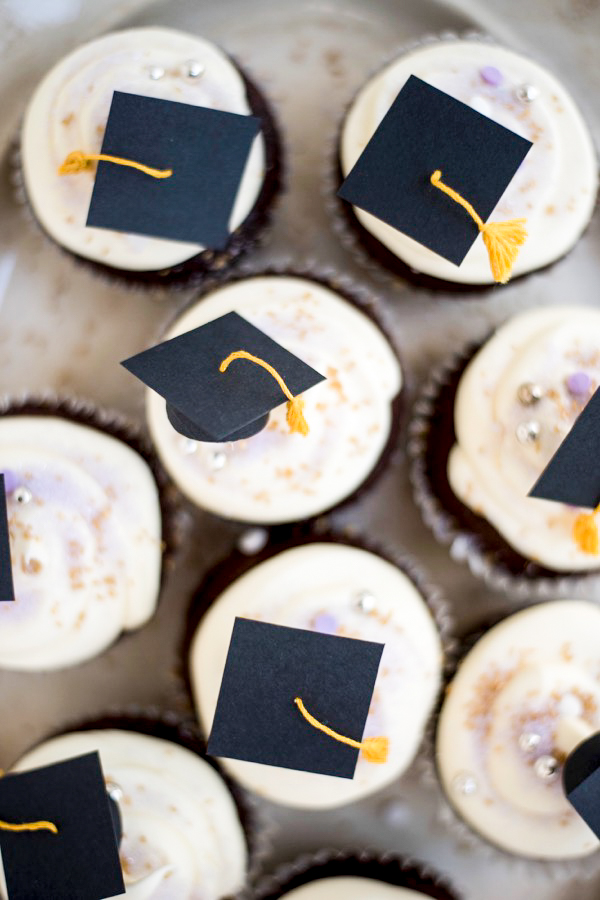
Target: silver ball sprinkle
pixel 188 446
pixel 219 459
pixel 365 601
pixel 527 93
pixel 194 69
pixel 530 393
pixel 528 432
pixel 464 783
pixel 252 541
pixel 546 767
pixel 22 495
pixel 114 791
pixel 528 741
pixel 156 72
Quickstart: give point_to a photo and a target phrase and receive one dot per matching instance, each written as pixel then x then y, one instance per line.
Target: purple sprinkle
pixel 579 384
pixel 491 75
pixel 326 623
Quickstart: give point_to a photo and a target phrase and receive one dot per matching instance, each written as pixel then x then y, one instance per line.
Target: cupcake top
pixel 342 590
pixel 276 476
pixel 497 735
pixel 85 534
pixel 516 401
pixel 351 889
pixel 182 838
pixel 69 109
pixel 554 188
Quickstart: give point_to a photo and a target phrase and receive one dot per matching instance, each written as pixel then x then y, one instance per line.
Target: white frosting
pixel 182 839
pixel 69 109
pixel 85 548
pixel 350 889
pixel 528 673
pixel 276 476
pixel 489 468
pixel 316 587
pixel 555 187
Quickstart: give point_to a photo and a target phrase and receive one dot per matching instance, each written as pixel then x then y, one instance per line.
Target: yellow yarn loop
pixel 502 239
pixel 295 406
pixel 585 534
pixel 374 750
pixel 77 161
pixel 29 826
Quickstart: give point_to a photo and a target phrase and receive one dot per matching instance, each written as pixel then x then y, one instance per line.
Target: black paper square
pixel 573 474
pixel 424 130
pixel 267 667
pixel 7 591
pixel 81 862
pixel 185 371
pixel 581 781
pixel 207 149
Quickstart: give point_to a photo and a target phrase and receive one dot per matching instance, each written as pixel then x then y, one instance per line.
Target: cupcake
pixel 276 477
pixel 183 831
pixel 330 874
pixel 499 749
pixel 554 188
pixel 483 432
pixel 68 112
pixel 333 588
pixel 85 528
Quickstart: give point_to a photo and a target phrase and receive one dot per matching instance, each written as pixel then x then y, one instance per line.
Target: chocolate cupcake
pixel 500 745
pixel 184 827
pixel 276 477
pixel 90 515
pixel 68 112
pixel 330 585
pixel 331 874
pixel 554 189
pixel 484 429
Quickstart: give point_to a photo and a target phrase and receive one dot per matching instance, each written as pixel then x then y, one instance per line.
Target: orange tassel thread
pixel 29 826
pixel 77 161
pixel 585 533
pixel 374 750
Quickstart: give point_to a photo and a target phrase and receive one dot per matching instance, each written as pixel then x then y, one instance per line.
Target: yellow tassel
pixel 585 534
pixel 29 826
pixel 374 750
pixel 502 239
pixel 295 406
pixel 77 161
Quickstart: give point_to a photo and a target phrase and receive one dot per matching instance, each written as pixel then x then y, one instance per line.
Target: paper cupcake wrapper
pixel 464 545
pixel 258 827
pixel 326 863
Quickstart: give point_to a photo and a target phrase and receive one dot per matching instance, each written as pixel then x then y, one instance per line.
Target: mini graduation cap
pixel 581 772
pixel 222 379
pixel 166 169
pixel 296 699
pixel 7 591
pixel 435 170
pixel 58 834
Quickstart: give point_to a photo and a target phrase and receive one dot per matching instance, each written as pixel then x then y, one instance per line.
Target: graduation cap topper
pixel 167 169
pixel 216 391
pixel 297 699
pixel 427 136
pixel 7 592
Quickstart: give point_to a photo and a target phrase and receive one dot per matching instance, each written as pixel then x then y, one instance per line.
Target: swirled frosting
pixel 505 437
pixel 554 188
pixel 501 715
pixel 85 534
pixel 276 476
pixel 341 590
pixel 69 109
pixel 182 838
pixel 351 889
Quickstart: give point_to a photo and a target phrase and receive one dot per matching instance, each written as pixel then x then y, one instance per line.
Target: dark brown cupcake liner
pixel 194 271
pixel 258 828
pixel 470 537
pixel 365 300
pixel 328 863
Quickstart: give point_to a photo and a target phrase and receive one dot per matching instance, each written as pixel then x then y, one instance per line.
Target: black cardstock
pixel 81 862
pixel 207 149
pixel 573 474
pixel 424 130
pixel 581 781
pixel 7 591
pixel 208 405
pixel 267 667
